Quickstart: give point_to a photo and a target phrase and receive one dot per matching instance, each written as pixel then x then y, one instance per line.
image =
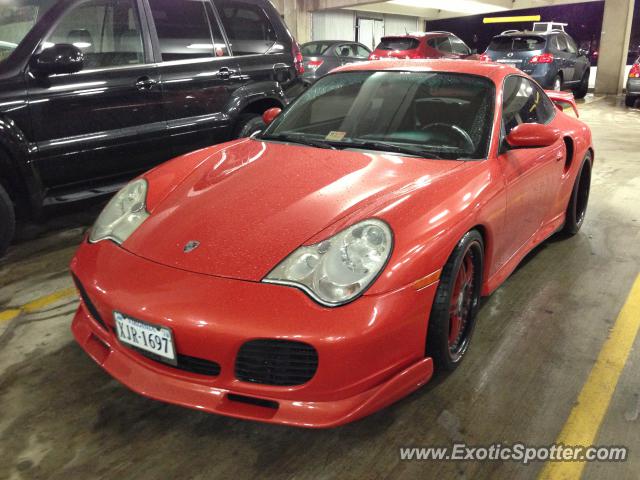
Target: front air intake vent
pixel 276 362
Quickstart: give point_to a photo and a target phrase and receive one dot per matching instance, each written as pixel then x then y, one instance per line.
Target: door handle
pixel 224 73
pixel 145 83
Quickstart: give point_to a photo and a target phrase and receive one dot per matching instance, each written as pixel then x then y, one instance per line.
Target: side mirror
pixel 60 58
pixel 270 115
pixel 532 135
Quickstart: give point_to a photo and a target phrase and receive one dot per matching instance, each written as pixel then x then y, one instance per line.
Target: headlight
pixel 123 214
pixel 340 268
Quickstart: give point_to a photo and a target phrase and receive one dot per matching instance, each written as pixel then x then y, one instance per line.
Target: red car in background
pixel 423 45
pixel 320 270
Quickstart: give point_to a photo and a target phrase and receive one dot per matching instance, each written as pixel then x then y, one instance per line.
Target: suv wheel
pixel 583 88
pixel 630 101
pixel 248 124
pixel 7 220
pixel 557 83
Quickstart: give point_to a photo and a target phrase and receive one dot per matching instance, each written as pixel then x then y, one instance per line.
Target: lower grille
pixel 276 362
pixel 185 363
pixel 88 303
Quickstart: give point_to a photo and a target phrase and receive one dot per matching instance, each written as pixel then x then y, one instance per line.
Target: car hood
pixel 251 204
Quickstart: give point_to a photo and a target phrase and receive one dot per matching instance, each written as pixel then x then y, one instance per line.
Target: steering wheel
pixel 462 138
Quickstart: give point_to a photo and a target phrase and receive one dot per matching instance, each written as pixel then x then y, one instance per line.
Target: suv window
pixel 459 47
pixel 16 19
pixel 571 45
pixel 441 44
pixel 248 27
pixel 524 102
pixel 398 43
pixel 187 29
pixel 516 43
pixel 107 32
pixel 561 43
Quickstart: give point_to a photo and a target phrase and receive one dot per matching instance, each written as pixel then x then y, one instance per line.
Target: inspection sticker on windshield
pixel 335 135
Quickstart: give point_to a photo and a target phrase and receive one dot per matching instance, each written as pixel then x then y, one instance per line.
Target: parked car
pixel 423 45
pixel 633 85
pixel 94 92
pixel 552 58
pixel 321 57
pixel 322 269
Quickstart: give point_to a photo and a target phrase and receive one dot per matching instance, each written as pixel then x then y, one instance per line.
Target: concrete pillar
pixel 298 18
pixel 614 45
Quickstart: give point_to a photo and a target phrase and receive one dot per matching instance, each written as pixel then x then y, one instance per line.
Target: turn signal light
pixel 314 64
pixel 544 58
pixel 635 71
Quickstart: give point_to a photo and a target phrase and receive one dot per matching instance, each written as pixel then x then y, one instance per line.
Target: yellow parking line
pixel 37 304
pixel 7 315
pixel 42 302
pixel 584 421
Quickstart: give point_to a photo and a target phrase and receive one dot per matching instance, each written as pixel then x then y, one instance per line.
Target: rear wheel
pixel 456 304
pixel 557 83
pixel 583 88
pixel 577 208
pixel 630 101
pixel 248 124
pixel 7 221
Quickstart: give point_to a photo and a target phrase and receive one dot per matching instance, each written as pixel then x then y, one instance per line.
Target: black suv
pixel 93 92
pixel 552 58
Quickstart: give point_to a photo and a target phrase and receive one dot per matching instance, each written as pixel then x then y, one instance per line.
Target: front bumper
pixel 371 351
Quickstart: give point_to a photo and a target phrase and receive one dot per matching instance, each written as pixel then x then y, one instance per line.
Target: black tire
pixel 7 221
pixel 446 354
pixel 582 89
pixel 557 80
pixel 579 200
pixel 247 125
pixel 630 101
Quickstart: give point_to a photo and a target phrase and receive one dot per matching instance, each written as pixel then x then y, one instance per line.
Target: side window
pixel 441 44
pixel 248 27
pixel 187 29
pixel 561 42
pixel 459 47
pixel 524 102
pixel 107 31
pixel 361 52
pixel 571 45
pixel 343 51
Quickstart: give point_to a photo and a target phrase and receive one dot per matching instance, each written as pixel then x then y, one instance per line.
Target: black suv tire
pixel 583 88
pixel 248 124
pixel 7 220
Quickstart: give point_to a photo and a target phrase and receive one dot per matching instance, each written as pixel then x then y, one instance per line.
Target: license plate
pixel 150 338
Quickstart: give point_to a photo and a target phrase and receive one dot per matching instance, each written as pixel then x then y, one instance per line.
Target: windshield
pixel 516 44
pixel 428 114
pixel 17 17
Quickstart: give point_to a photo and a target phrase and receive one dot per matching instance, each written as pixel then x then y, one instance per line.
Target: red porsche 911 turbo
pixel 320 270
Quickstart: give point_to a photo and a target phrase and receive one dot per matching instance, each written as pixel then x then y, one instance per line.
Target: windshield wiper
pixel 392 147
pixel 299 138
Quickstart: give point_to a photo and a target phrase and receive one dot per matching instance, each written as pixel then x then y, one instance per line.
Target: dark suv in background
pixel 552 58
pixel 320 57
pixel 93 92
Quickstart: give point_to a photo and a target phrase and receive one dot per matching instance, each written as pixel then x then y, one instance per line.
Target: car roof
pixel 530 33
pixel 491 70
pixel 330 42
pixel 419 35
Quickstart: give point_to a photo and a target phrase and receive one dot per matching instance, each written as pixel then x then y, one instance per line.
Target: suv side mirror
pixel 60 58
pixel 270 115
pixel 532 135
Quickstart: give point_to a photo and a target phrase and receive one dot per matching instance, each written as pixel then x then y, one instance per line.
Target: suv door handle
pixel 224 73
pixel 145 83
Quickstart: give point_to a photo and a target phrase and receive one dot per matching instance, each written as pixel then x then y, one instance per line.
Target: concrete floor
pixel 537 339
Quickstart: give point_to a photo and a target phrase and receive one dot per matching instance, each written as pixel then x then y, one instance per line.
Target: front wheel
pixel 248 124
pixel 577 208
pixel 456 303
